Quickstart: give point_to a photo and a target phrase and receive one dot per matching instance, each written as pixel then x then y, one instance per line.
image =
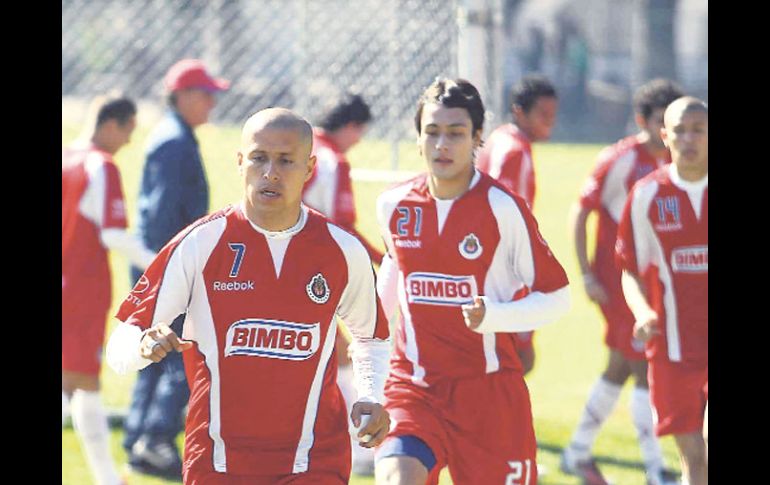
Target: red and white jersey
pixel 605 191
pixel 260 308
pixel 485 242
pixel 92 200
pixel 330 188
pixel 507 157
pixel 663 238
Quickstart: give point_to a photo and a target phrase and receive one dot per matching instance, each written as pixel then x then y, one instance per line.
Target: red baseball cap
pixel 191 73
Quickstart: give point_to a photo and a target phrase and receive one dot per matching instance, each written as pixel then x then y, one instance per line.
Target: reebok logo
pixel 233 285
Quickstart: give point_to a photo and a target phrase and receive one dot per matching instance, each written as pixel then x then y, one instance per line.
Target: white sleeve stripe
pixel 513 229
pixel 92 204
pixel 411 352
pixel 640 224
pixel 358 303
pixel 614 192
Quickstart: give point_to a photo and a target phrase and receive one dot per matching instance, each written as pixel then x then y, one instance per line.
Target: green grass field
pixel 570 352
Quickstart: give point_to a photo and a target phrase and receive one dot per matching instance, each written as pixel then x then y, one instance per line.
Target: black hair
pixel 120 109
pixel 529 88
pixel 655 94
pixel 350 108
pixel 452 93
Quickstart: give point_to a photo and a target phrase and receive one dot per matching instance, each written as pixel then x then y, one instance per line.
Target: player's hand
pixel 159 341
pixel 371 430
pixel 474 313
pixel 646 327
pixel 595 291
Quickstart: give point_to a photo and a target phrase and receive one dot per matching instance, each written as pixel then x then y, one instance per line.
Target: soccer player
pixel 662 248
pixel 93 222
pixel 330 191
pixel 459 246
pixel 605 191
pixel 507 156
pixel 173 193
pixel 261 283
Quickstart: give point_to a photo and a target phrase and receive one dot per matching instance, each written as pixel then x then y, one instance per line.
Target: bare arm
pixel 577 222
pixel 635 292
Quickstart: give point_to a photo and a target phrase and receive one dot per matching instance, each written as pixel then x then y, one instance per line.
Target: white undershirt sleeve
pixel 129 245
pixel 529 313
pixel 122 351
pixel 387 286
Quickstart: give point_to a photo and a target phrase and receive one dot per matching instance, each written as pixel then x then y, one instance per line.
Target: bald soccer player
pixel 662 248
pixel 261 283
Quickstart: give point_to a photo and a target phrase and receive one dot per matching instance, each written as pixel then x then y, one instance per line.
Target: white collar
pixel 286 233
pixel 686 185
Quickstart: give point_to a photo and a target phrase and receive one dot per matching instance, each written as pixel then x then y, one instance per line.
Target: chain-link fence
pixel 291 53
pixel 299 53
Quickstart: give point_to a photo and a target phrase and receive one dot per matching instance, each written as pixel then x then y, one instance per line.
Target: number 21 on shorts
pixel 522 471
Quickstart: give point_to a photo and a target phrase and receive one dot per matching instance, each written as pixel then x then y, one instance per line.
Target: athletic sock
pixel 601 401
pixel 641 412
pixel 90 423
pixel 65 408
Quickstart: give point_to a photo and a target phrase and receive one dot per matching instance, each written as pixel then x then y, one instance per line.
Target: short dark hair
pixel 529 88
pixel 350 108
pixel 655 94
pixel 452 93
pixel 120 109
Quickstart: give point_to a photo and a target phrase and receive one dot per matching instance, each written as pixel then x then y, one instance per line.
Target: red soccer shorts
pixel 619 331
pixel 82 338
pixel 307 478
pixel 679 395
pixel 481 427
pixel 523 340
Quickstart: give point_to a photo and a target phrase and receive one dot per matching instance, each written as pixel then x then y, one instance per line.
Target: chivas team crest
pixel 470 247
pixel 317 289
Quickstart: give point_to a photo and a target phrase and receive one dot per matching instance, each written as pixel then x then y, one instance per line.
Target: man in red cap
pixel 174 193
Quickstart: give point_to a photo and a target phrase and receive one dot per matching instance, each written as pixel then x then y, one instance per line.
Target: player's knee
pixel 403 460
pixel 400 470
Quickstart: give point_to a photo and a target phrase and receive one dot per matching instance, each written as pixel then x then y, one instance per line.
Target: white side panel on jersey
pixel 358 303
pixel 526 168
pixel 195 250
pixel 320 193
pixel 301 457
pixel 411 352
pixel 614 191
pixel 502 145
pixel 92 204
pixel 649 251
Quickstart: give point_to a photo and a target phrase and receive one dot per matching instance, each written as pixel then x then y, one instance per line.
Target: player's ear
pixel 640 121
pixel 664 136
pixel 310 166
pixel 477 139
pixel 239 157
